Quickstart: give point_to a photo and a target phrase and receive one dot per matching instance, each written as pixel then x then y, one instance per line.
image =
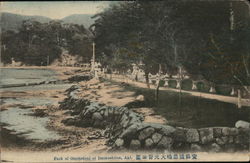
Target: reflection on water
pixel 30 127
pixel 17 120
pixel 27 101
pixel 17 76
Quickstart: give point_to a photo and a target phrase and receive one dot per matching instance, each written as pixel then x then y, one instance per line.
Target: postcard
pixel 125 81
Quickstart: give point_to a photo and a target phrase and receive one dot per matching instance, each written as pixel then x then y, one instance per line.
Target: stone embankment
pixel 127 131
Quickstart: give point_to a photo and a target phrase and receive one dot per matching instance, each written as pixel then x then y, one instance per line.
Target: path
pixel 233 100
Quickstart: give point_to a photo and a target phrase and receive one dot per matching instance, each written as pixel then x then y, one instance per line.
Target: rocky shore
pixel 126 130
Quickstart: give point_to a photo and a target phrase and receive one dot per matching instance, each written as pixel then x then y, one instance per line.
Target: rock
pixel 196 148
pixel 192 136
pixel 206 135
pixel 217 132
pixel 165 143
pixel 130 131
pixel 135 144
pixel 225 139
pixel 110 111
pixel 167 130
pixel 179 135
pixel 140 98
pixel 244 131
pixel 124 120
pixel 230 139
pixel 146 133
pixel 242 124
pixel 106 113
pixel 230 148
pixel 97 116
pixel 69 121
pixel 156 137
pixel 242 139
pixel 219 141
pixel 229 131
pixel 97 119
pixel 119 142
pixel 149 143
pixel 79 78
pixel 96 135
pixel 215 148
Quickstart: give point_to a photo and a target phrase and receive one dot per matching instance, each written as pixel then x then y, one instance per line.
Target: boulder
pixel 140 98
pixel 146 133
pixel 179 135
pixel 167 130
pixel 192 135
pixel 119 142
pixel 206 135
pixel 165 143
pixel 97 119
pixel 135 144
pixel 225 139
pixel 242 124
pixel 217 132
pixel 229 131
pixel 156 137
pixel 195 148
pixel 215 148
pixel 220 141
pixel 97 116
pixel 131 131
pixel 149 143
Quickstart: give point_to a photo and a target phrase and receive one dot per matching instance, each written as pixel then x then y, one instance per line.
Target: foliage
pixel 191 34
pixel 186 84
pixel 38 43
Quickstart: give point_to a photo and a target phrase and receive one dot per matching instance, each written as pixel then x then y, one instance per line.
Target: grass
pixel 190 111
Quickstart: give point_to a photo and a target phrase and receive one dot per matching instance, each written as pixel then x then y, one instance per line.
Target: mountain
pixel 82 19
pixel 10 21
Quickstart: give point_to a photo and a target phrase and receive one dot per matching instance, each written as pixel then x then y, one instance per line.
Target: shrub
pixel 203 87
pixel 223 90
pixel 186 84
pixel 162 82
pixel 172 83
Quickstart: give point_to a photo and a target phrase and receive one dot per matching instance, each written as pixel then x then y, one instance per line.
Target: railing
pixel 232 91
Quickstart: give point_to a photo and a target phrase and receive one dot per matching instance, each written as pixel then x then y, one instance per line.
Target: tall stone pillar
pixel 233 92
pixel 239 99
pixel 194 86
pixel 178 86
pixel 212 89
pixel 166 83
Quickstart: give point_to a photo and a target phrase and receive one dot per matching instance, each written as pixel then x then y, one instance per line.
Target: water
pixel 21 123
pixel 17 118
pixel 18 76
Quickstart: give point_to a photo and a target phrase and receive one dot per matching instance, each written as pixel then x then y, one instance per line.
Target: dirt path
pixel 233 100
pixel 115 95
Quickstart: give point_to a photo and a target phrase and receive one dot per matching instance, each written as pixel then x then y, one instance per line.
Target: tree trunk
pixel 158 86
pixel 180 93
pixel 147 78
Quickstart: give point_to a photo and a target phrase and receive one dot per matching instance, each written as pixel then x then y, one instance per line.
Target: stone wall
pixel 126 129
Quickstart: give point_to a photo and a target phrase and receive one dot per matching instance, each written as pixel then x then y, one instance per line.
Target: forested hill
pixel 10 21
pixel 13 22
pixel 81 19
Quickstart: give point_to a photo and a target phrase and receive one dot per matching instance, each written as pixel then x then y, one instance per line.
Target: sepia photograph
pixel 125 81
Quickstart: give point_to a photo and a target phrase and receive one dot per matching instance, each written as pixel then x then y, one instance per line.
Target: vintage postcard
pixel 125 81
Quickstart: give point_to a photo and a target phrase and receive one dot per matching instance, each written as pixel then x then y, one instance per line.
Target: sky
pixel 54 9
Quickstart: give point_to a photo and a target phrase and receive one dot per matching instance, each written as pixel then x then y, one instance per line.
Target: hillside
pixel 82 19
pixel 10 21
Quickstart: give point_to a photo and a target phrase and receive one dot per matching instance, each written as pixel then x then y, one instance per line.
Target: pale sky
pixel 54 9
